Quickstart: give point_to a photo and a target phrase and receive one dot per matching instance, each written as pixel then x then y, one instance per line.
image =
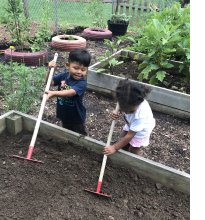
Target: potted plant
pixel 118 24
pixel 30 50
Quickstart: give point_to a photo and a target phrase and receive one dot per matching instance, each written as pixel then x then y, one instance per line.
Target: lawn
pixel 69 13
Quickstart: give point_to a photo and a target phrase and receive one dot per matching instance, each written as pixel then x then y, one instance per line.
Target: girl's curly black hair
pixel 129 94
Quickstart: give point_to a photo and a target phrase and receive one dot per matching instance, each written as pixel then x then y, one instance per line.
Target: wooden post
pixel 127 8
pixel 25 8
pixel 56 15
pixel 133 18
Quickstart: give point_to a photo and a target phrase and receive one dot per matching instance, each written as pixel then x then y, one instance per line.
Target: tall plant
pixel 16 22
pixel 20 85
pixel 43 33
pixel 95 9
pixel 166 36
pixel 113 46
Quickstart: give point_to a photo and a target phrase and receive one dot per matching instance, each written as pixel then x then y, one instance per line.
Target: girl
pixel 138 117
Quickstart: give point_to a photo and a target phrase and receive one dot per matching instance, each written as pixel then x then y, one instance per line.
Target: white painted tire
pixel 59 42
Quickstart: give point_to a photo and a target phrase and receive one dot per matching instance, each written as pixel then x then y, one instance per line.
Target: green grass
pixel 75 14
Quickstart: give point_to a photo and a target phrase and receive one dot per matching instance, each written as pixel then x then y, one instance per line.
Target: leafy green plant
pixel 43 33
pixel 95 9
pixel 20 85
pixel 15 21
pixel 119 18
pixel 113 47
pixel 18 26
pixel 166 37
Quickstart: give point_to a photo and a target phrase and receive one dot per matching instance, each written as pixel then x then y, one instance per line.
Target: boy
pixel 71 88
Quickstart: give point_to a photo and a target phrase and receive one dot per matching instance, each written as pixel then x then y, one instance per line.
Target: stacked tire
pixel 97 34
pixel 63 42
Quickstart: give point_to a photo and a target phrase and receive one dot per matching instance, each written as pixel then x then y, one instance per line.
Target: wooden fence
pixel 139 9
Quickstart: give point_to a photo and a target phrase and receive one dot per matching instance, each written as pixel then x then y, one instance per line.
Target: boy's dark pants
pixel 79 128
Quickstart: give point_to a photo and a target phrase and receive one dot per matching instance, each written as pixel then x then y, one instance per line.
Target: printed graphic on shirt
pixel 68 101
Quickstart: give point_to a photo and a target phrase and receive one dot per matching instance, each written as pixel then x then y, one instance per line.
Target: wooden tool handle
pixel 33 140
pixel 112 127
pixel 108 143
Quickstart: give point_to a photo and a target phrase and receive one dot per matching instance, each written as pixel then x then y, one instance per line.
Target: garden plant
pixel 165 37
pixel 19 27
pixel 21 86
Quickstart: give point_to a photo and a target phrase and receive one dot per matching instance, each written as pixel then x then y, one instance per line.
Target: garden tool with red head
pixel 36 129
pixel 99 184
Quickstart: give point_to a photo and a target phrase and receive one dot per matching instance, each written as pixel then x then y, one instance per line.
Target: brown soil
pixel 55 189
pixel 170 140
pixel 173 81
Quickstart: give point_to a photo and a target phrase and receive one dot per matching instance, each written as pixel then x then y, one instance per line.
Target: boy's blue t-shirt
pixel 71 109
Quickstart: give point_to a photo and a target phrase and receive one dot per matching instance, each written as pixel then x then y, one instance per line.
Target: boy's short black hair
pixel 81 56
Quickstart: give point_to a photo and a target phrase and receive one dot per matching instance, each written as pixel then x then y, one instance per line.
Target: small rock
pixel 174 88
pixel 147 191
pixel 158 185
pixel 138 207
pixel 140 214
pixel 64 192
pixel 111 218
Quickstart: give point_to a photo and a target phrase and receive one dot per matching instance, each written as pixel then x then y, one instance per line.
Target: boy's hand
pixel 51 64
pixel 49 94
pixel 108 150
pixel 115 115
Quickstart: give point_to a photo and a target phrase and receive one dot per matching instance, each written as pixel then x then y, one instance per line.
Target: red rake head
pixel 24 158
pixel 98 193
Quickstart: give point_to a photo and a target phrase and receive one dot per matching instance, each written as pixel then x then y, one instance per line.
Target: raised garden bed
pixel 161 99
pixel 55 189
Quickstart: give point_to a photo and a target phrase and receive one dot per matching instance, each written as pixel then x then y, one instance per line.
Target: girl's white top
pixel 141 121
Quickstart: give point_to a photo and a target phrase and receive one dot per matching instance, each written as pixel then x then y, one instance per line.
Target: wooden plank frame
pixel 167 176
pixel 161 99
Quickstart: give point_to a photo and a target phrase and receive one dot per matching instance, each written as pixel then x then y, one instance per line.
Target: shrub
pixel 20 85
pixel 166 36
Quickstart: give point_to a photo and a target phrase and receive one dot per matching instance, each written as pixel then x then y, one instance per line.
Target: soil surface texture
pixel 56 188
pixel 169 142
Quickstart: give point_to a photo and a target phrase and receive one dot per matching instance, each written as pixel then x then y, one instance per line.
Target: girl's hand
pixel 108 150
pixel 115 115
pixel 51 64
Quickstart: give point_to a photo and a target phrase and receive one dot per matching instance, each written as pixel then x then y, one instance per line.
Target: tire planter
pixel 117 29
pixel 97 34
pixel 28 58
pixel 62 42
